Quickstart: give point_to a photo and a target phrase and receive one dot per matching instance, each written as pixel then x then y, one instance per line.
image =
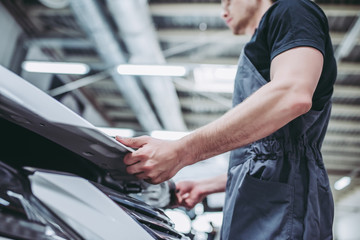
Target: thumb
pixel 185 195
pixel 136 142
pixel 189 203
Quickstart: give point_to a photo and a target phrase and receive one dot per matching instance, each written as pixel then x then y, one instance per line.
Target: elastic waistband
pixel 271 149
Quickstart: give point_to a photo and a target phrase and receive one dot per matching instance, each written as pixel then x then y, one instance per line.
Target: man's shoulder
pixel 295 6
pixel 284 10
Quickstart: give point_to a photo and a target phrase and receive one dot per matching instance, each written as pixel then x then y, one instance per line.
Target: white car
pixel 62 178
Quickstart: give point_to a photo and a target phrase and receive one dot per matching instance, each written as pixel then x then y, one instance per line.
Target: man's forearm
pixel 261 114
pixel 287 96
pixel 213 185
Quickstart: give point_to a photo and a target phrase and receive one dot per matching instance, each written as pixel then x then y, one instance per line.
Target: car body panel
pixel 79 202
pixel 27 106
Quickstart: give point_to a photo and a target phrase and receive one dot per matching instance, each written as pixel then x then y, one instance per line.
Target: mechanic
pixel 276 185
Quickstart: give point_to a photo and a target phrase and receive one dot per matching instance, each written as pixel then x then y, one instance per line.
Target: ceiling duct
pixel 137 31
pixel 93 22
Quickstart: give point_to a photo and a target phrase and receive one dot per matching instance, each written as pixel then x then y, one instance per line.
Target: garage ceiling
pixel 191 33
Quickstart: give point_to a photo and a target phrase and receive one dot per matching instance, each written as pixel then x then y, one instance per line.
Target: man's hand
pixel 154 160
pixel 190 193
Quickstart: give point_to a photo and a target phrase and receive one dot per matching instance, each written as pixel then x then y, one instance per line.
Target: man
pixel 276 185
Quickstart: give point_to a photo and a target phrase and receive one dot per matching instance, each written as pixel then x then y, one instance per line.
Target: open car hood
pixel 31 110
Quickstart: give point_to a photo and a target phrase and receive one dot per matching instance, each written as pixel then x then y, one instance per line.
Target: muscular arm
pixel 294 77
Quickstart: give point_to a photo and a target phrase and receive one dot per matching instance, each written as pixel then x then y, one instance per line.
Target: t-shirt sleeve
pixel 294 24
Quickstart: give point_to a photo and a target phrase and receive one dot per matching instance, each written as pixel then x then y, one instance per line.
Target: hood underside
pixel 38 131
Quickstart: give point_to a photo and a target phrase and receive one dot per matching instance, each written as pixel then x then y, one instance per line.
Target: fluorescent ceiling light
pixel 342 183
pixel 227 73
pixel 151 70
pixel 214 78
pixel 55 67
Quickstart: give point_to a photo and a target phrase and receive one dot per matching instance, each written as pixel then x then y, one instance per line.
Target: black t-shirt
pixel 289 24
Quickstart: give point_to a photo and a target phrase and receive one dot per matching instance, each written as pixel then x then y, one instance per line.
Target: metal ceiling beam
pixel 220 36
pixel 137 31
pixel 349 41
pixel 330 158
pixel 185 9
pixel 342 150
pixel 60 42
pixel 93 22
pixel 214 9
pixel 71 86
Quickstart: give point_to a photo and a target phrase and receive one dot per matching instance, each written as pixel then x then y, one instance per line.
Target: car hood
pixel 31 110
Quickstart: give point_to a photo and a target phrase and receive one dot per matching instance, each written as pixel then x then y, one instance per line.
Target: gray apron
pixel 278 187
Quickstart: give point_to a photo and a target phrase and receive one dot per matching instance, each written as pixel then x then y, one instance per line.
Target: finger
pixel 129 159
pixel 135 168
pixel 136 142
pixel 185 196
pixel 148 180
pixel 179 191
pixel 181 198
pixel 178 200
pixel 183 187
pixel 189 203
pixel 143 176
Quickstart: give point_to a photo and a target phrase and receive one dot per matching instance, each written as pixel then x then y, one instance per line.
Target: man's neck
pixel 253 25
